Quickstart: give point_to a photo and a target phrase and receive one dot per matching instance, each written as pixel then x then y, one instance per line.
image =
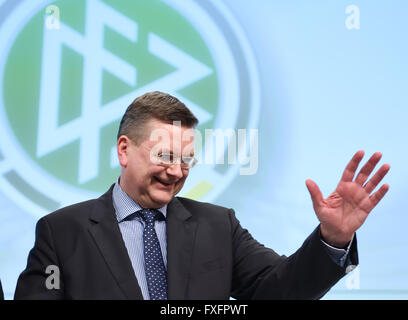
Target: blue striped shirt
pixel 131 226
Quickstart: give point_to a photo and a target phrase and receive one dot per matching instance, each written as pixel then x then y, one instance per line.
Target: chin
pixel 162 199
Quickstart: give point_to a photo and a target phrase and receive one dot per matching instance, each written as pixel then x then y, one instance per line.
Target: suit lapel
pixel 181 231
pixel 106 233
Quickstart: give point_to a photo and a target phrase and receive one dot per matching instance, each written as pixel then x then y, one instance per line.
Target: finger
pixel 379 194
pixel 315 193
pixel 376 178
pixel 351 168
pixel 368 168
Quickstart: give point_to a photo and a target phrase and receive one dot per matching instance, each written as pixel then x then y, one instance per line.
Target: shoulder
pixel 189 203
pixel 206 210
pixel 71 211
pixel 82 211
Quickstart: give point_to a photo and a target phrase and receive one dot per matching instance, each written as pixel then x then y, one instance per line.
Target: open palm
pixel 346 209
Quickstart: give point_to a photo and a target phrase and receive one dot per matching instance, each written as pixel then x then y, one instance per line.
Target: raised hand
pixel 346 209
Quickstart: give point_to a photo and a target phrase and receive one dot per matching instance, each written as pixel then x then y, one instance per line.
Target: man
pixel 139 241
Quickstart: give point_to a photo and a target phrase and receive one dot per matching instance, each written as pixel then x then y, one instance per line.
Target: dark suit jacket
pixel 209 256
pixel 1 292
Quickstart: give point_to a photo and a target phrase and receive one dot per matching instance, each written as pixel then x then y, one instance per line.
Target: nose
pixel 175 171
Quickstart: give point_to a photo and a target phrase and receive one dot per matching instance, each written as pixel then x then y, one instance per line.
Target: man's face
pixel 147 181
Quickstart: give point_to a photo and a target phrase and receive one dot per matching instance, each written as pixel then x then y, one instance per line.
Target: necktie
pixel 156 275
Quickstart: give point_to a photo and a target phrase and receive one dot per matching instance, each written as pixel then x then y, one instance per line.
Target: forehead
pixel 160 132
pixel 158 128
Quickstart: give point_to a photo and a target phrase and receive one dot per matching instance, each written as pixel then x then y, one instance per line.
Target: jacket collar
pixel 108 238
pixel 181 234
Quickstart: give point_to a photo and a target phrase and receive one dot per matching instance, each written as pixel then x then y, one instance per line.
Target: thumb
pixel 315 193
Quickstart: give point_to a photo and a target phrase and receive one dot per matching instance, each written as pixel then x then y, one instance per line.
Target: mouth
pixel 161 182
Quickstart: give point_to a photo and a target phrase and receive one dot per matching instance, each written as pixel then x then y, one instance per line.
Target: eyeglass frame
pixel 172 160
pixel 158 157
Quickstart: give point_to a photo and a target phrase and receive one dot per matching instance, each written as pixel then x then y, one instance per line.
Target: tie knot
pixel 150 216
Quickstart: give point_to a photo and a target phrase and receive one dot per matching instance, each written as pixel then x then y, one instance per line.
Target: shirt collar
pixel 125 205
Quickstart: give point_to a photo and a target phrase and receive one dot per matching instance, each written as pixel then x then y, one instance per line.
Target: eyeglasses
pixel 168 159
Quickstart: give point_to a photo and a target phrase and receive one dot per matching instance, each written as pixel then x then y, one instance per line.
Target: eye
pixel 187 159
pixel 188 162
pixel 166 157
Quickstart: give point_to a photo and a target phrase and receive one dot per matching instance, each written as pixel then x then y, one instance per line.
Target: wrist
pixel 336 240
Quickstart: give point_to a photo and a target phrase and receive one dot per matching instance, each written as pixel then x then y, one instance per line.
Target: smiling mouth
pixel 162 182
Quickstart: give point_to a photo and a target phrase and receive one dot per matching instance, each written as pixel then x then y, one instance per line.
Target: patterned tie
pixel 156 275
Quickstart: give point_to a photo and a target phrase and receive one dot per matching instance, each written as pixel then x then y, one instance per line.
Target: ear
pixel 123 150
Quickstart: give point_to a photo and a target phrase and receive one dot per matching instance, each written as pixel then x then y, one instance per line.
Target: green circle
pixel 22 78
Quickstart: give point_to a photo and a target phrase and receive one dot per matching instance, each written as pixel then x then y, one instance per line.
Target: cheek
pixel 142 175
pixel 185 174
pixel 182 180
pixel 155 171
